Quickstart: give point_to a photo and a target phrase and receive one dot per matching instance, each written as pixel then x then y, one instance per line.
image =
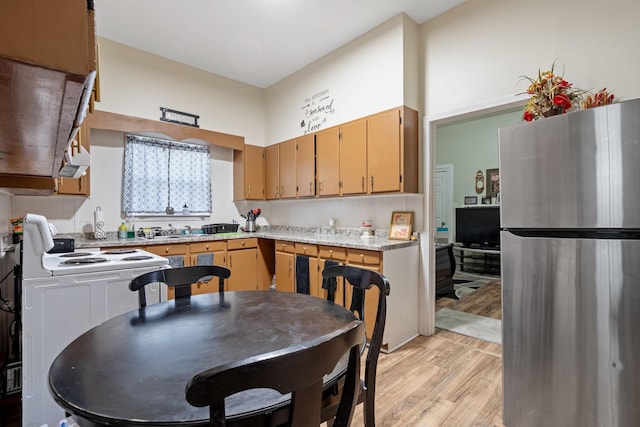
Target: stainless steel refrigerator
pixel 570 253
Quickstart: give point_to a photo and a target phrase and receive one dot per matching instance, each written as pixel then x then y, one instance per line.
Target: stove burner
pixel 78 261
pixel 136 258
pixel 75 254
pixel 119 251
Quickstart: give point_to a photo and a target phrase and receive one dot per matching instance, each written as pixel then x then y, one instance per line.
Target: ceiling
pixel 258 42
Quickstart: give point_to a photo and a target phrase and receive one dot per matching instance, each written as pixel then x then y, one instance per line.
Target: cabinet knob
pixel 207 247
pixel 166 250
pixel 243 242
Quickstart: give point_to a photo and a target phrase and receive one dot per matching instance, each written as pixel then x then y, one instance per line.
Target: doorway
pixel 431 124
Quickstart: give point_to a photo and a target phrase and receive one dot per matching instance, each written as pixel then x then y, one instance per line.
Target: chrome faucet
pixel 172 230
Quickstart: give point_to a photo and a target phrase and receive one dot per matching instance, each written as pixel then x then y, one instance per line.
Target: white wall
pixel 479 50
pixel 473 58
pixel 365 76
pixel 5 214
pixel 137 83
pixel 373 73
pixel 471 145
pixel 75 214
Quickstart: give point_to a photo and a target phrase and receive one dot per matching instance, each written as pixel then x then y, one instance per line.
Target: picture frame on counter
pixel 471 200
pixel 401 225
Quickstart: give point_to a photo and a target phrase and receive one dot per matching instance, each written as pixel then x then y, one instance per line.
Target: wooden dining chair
pixel 361 280
pixel 299 372
pixel 180 279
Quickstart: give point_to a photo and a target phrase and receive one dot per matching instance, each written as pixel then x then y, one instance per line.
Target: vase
pixel 553 111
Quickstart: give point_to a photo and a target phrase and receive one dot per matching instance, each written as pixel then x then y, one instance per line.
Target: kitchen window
pixel 162 176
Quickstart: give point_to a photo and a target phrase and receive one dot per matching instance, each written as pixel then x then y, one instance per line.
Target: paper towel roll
pixel 98 224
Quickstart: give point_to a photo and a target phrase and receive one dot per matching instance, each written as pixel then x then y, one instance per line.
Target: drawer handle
pixel 243 242
pixel 166 250
pixel 207 247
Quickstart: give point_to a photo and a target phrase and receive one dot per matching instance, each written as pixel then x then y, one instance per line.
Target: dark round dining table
pixel 132 370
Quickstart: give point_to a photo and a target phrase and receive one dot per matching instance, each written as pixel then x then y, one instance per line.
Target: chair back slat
pixel 180 279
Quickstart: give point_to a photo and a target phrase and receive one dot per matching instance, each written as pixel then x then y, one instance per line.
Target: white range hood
pixel 76 158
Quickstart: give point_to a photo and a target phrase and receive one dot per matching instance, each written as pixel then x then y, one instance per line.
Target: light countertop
pixel 343 238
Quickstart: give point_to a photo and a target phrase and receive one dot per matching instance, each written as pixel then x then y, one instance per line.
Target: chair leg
pixel 369 412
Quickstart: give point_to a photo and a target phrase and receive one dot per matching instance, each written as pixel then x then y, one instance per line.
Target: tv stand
pixel 478 262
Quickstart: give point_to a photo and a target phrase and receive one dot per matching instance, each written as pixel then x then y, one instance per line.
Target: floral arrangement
pixel 551 94
pixel 601 97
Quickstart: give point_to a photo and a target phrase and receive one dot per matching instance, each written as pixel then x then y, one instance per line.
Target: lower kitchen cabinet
pixel 285 271
pixel 253 261
pixel 311 252
pixel 371 260
pixel 207 253
pixel 178 255
pixel 335 254
pixel 242 255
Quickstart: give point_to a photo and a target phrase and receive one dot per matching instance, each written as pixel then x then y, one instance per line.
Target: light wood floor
pixel 486 301
pixel 446 379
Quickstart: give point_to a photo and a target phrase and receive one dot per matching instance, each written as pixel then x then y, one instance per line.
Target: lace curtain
pixel 160 173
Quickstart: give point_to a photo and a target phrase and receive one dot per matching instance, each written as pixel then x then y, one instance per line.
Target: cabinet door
pixel 272 172
pixel 285 272
pixel 371 260
pixel 77 186
pixel 254 172
pixel 328 162
pixel 242 263
pixel 178 256
pixel 287 177
pixel 305 166
pixel 383 151
pixel 353 158
pixel 200 254
pixel 310 251
pixel 336 254
pixel 54 35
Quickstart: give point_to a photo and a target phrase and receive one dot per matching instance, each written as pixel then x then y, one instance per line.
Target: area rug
pixel 462 288
pixel 471 325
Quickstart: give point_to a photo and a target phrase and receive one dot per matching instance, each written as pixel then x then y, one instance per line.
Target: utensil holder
pixel 251 226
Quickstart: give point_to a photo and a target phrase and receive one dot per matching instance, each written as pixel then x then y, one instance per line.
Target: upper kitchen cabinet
pixel 328 161
pixel 353 157
pixel 287 169
pixel 47 69
pixel 248 173
pixel 305 166
pixel 392 151
pixel 272 172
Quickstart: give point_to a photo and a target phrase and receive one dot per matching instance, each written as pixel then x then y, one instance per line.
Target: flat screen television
pixel 478 226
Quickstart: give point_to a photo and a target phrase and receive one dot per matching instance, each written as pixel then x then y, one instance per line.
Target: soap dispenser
pixel 185 209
